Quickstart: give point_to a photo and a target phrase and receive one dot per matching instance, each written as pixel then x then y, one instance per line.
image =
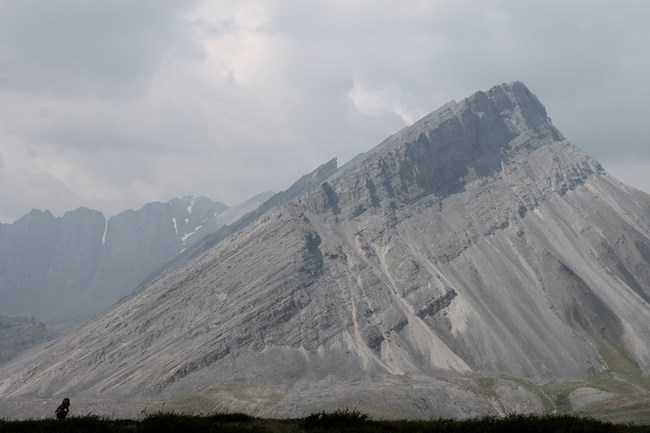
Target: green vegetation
pixel 339 421
pixel 630 391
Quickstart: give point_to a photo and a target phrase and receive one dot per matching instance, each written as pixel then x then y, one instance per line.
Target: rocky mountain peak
pixel 476 243
pixel 456 146
pixel 518 106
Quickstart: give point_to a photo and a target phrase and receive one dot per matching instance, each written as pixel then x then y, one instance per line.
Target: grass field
pixel 339 421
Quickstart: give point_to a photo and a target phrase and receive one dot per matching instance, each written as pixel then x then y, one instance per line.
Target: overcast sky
pixel 111 104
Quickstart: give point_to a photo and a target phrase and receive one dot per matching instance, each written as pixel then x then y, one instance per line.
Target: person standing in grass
pixel 63 409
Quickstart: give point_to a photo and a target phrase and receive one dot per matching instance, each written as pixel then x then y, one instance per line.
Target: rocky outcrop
pixel 467 258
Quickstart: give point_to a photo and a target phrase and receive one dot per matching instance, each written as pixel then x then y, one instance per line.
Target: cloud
pixel 110 104
pixel 633 173
pixel 72 47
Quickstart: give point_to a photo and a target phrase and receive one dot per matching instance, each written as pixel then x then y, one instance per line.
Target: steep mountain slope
pixel 451 271
pixel 62 270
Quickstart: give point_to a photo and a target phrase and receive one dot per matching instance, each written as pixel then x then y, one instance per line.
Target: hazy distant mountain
pixel 18 334
pixel 63 269
pixel 453 270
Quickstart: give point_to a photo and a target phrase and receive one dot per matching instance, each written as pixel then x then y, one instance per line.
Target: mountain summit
pixel 450 271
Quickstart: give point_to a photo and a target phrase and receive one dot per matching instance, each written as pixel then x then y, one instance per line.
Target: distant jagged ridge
pixel 63 269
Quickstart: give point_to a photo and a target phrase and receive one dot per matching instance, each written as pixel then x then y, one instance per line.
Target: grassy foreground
pixel 340 421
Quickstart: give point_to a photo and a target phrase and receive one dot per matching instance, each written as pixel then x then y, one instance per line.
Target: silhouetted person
pixel 63 409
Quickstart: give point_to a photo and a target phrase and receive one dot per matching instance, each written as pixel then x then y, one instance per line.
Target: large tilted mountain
pixel 454 270
pixel 63 269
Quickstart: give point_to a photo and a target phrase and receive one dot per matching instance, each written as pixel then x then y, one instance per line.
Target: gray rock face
pixel 62 270
pixel 45 262
pixel 447 272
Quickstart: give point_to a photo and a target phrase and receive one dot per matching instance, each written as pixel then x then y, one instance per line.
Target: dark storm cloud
pixel 76 47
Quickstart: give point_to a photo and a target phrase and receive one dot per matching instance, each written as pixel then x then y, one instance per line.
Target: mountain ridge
pixel 476 243
pixel 64 269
